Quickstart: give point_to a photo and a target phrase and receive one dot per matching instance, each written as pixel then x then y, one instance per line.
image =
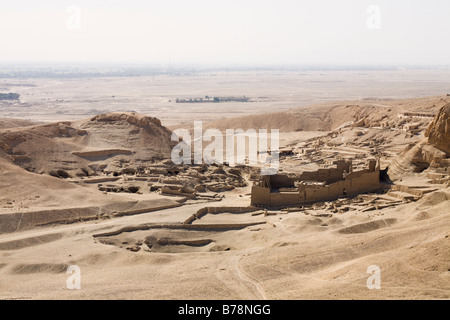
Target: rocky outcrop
pixel 110 142
pixel 432 152
pixel 438 132
pixel 139 120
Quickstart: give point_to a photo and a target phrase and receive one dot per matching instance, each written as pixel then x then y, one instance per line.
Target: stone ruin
pixel 188 181
pixel 328 184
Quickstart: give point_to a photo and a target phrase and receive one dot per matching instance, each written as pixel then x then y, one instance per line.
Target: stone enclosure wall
pixel 322 185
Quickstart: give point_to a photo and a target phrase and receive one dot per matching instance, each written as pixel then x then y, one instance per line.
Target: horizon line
pixel 250 66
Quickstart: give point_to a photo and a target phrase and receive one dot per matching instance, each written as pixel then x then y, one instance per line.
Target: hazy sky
pixel 257 32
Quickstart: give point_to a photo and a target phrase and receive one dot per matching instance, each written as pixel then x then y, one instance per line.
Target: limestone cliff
pixel 432 151
pixel 438 132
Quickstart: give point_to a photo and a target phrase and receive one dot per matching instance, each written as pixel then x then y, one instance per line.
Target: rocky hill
pixel 432 152
pixel 439 131
pixel 104 142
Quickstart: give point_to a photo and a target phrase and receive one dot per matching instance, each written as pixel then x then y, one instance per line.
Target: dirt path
pixel 240 285
pixel 260 292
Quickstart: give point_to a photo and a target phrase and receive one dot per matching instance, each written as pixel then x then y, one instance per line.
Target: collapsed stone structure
pixel 430 155
pixel 321 185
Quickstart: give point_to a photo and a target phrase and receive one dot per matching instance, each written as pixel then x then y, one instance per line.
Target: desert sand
pixel 94 186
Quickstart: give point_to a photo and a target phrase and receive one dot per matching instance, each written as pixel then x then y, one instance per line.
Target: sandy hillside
pixel 73 147
pixel 329 116
pixel 50 172
pixel 29 200
pixel 288 256
pixel 13 123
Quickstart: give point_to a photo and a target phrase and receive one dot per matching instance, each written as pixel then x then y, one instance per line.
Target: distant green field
pixel 9 96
